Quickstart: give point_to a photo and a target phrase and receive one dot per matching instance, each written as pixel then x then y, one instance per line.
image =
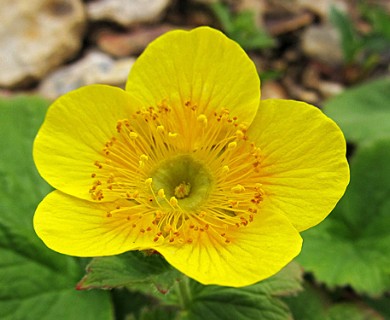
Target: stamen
pixel 238 188
pixel 133 135
pixel 232 145
pixel 202 119
pixel 173 201
pixel 225 169
pixel 149 182
pixel 161 193
pixel 157 134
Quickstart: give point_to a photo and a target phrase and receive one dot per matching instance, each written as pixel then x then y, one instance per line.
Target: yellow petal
pixel 74 133
pixel 88 229
pixel 304 169
pixel 254 252
pixel 202 67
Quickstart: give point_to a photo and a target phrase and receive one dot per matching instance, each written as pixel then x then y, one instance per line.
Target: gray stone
pixel 37 36
pixel 272 90
pixel 323 43
pixel 127 12
pixel 95 67
pixel 130 43
pixel 329 89
pixel 322 8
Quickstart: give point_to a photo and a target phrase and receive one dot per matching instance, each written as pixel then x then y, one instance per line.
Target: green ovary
pixel 185 178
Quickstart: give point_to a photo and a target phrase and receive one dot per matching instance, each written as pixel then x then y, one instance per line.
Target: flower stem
pixel 184 292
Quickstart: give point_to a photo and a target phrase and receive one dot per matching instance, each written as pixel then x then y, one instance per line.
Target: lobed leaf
pixel 363 112
pixel 129 269
pixel 352 246
pixel 259 301
pixel 35 283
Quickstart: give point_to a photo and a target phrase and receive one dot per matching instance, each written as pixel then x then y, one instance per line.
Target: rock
pixel 329 89
pixel 322 42
pixel 127 12
pixel 322 8
pixel 297 91
pixel 272 90
pixel 95 67
pixel 131 43
pixel 37 36
pixel 276 27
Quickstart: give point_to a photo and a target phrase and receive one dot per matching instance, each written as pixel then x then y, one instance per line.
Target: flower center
pixel 182 190
pixel 180 173
pixel 184 178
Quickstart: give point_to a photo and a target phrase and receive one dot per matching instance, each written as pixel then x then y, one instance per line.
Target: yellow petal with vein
pixel 74 134
pixel 304 170
pixel 87 229
pixel 202 67
pixel 255 252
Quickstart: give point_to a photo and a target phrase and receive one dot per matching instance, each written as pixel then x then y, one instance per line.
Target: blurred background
pixel 334 54
pixel 307 50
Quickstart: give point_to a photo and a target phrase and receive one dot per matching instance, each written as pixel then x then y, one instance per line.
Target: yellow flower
pixel 189 162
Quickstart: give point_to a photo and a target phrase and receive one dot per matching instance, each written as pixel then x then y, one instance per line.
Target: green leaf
pixel 351 42
pixel 363 113
pixel 352 246
pixel 129 269
pixel 242 28
pixel 314 304
pixel 259 301
pixel 378 18
pixel 35 283
pixel 130 303
pixel 381 305
pixel 309 304
pixel 342 311
pixel 158 313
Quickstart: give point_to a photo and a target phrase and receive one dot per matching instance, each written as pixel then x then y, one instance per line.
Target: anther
pixel 161 193
pixel 160 129
pixel 172 135
pixel 202 119
pixel 158 215
pixel 149 182
pixel 133 135
pixel 98 164
pixel 232 145
pixel 240 135
pixel 238 188
pixel 173 201
pixel 202 214
pixel 119 126
pixel 243 127
pixel 225 169
pixel 144 157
